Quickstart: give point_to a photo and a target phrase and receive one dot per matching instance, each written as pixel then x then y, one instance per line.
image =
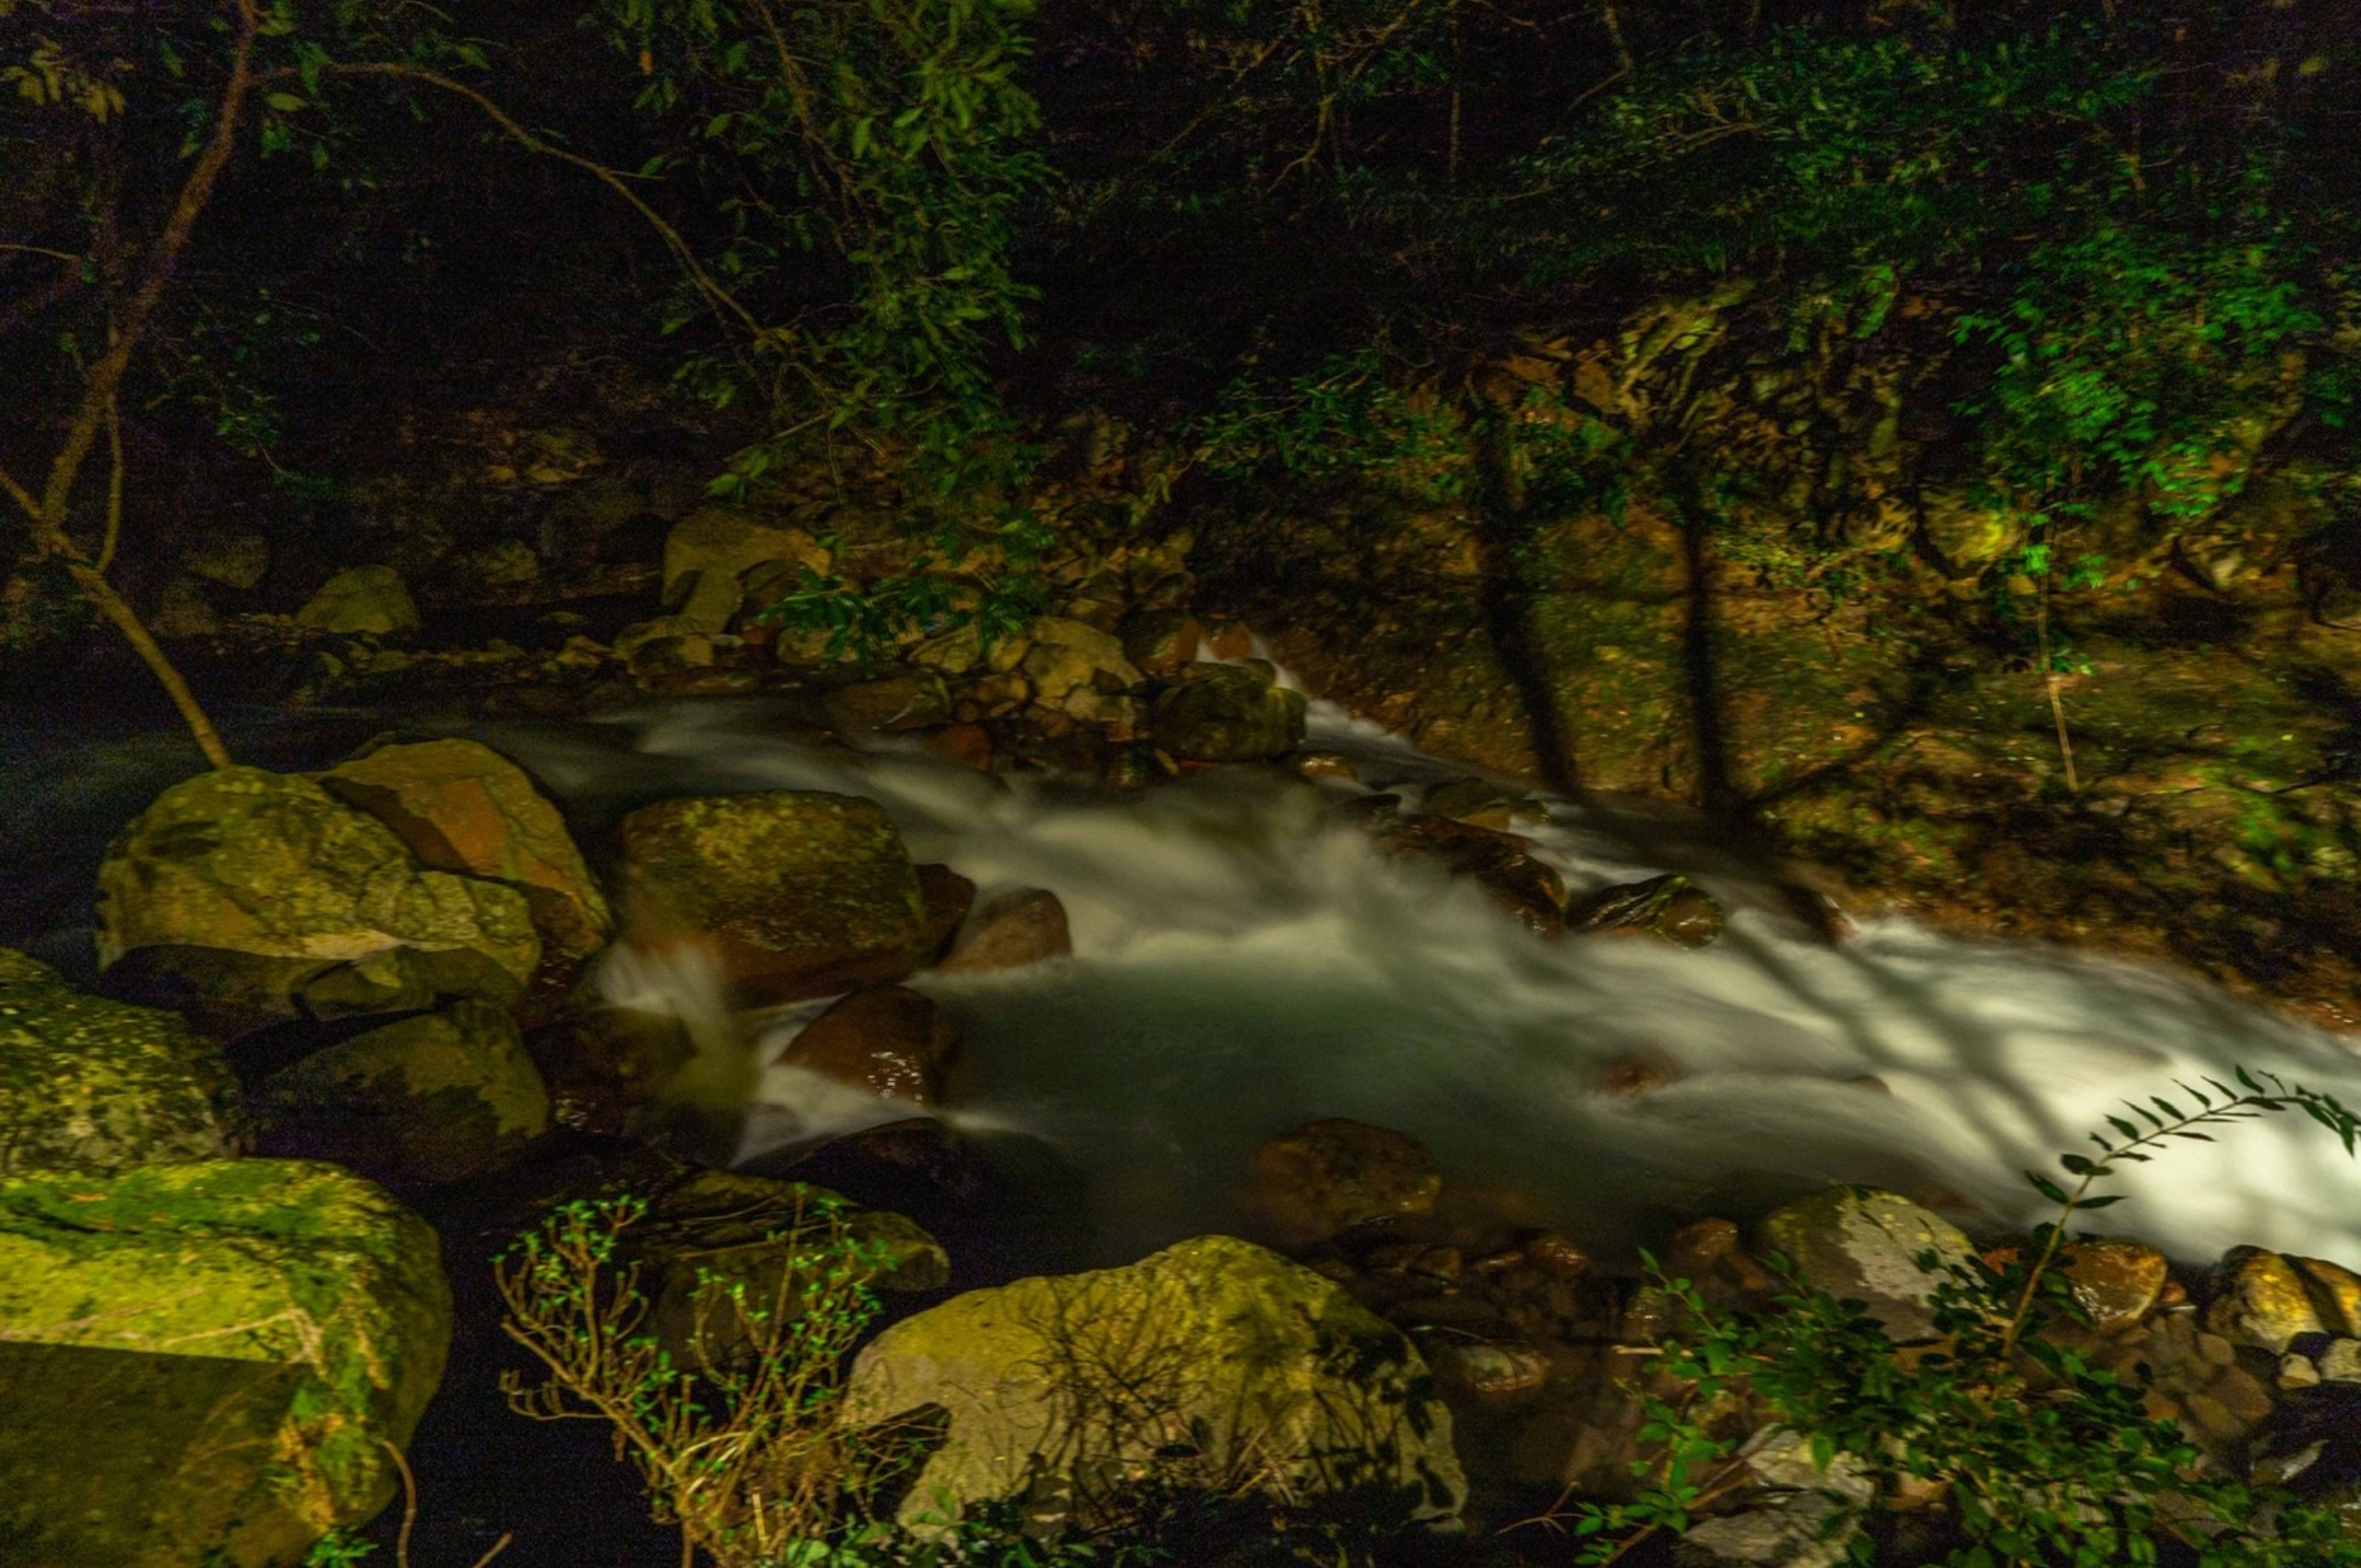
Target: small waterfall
pixel 1243 962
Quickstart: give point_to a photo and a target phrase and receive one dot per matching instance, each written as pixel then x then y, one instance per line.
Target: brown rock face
pixel 794 893
pixel 1017 928
pixel 462 807
pixel 1309 1184
pixel 887 1040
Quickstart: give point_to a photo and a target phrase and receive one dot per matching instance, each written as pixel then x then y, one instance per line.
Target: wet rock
pixel 968 744
pixel 1500 864
pixel 202 1363
pixel 411 1104
pixel 1637 1072
pixel 1017 929
pixel 461 807
pixel 1227 639
pixel 1316 766
pixel 1204 1363
pixel 1670 906
pixel 371 600
pixel 1311 1184
pixel 1711 1254
pixel 1786 1521
pixel 794 893
pixel 920 1167
pixel 97 1086
pixel 2268 1299
pixel 601 1062
pixel 886 1039
pixel 1162 643
pixel 268 896
pixel 914 699
pixel 1475 801
pixel 708 551
pixel 1226 713
pixel 2118 1283
pixel 1861 1244
pixel 948 898
pixel 1488 1372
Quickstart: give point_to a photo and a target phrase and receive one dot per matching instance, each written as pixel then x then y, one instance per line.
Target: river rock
pixel 1861 1244
pixel 1161 643
pixel 371 600
pixel 459 806
pixel 1670 906
pixel 2118 1283
pixel 1226 713
pixel 1212 1364
pixel 1503 865
pixel 759 1232
pixel 1066 658
pixel 1786 1521
pixel 885 1038
pixel 1025 927
pixel 795 893
pixel 201 1363
pixel 1314 1182
pixel 913 699
pixel 710 549
pixel 2267 1298
pixel 260 894
pixel 99 1087
pixel 415 1103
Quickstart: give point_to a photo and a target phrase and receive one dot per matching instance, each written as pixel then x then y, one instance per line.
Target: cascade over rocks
pixel 459 806
pixel 1211 1363
pixel 198 1361
pixel 249 895
pixel 795 893
pixel 97 1086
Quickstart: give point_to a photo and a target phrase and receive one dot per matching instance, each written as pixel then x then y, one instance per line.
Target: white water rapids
pixel 1242 963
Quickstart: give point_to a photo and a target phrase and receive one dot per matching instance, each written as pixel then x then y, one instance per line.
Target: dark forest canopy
pixel 2107 229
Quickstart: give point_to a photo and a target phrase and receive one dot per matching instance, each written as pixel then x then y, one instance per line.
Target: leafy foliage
pixel 2038 1456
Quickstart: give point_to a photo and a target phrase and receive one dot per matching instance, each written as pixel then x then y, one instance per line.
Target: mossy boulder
pixel 97 1086
pixel 257 894
pixel 1211 1364
pixel 200 1363
pixel 459 806
pixel 1861 1244
pixel 1228 713
pixel 414 1103
pixel 795 893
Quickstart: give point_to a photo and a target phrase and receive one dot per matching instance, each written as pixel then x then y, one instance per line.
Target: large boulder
pixel 795 893
pixel 708 551
pixel 200 1364
pixel 371 600
pixel 257 894
pixel 1228 713
pixel 1860 1244
pixel 1213 1363
pixel 414 1103
pixel 459 806
pixel 97 1086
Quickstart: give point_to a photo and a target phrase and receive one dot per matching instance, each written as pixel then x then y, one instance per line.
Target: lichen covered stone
pixel 795 893
pixel 283 888
pixel 1213 1363
pixel 94 1085
pixel 1861 1244
pixel 200 1363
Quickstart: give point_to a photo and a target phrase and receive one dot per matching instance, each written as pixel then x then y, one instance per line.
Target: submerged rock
pixel 262 895
pixel 99 1087
pixel 459 806
pixel 1313 1182
pixel 1213 1364
pixel 202 1363
pixel 795 893
pixel 425 1100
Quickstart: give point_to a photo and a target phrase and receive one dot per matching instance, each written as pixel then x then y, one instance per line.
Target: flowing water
pixel 1243 961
